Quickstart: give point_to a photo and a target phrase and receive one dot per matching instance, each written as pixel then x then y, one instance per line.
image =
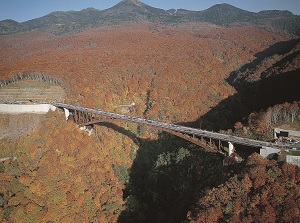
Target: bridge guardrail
pixel 174 127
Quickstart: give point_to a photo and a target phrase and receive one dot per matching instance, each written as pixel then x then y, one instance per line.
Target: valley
pixel 227 76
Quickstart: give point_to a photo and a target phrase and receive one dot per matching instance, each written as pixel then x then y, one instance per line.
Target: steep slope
pixel 133 63
pixel 271 78
pixel 263 192
pixel 173 74
pixel 64 177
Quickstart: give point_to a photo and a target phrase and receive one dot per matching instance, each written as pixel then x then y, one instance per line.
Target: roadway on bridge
pixel 177 128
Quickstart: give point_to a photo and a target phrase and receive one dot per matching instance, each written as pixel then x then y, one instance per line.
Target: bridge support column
pixel 230 148
pixel 67 113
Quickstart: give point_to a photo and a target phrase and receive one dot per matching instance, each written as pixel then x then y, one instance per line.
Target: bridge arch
pixel 86 116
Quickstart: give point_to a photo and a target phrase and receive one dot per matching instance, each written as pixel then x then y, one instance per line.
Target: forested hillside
pixel 190 73
pixel 263 192
pixel 105 67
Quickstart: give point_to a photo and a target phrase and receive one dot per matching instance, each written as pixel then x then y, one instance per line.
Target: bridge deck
pixel 176 128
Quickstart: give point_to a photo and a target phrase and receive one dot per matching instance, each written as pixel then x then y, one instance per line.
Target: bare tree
pixel 276 113
pixel 293 110
pixel 285 113
pixel 268 118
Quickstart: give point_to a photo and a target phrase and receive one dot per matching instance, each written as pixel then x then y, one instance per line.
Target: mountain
pixel 130 173
pixel 134 8
pixel 224 14
pixel 130 11
pixel 10 26
pixel 137 11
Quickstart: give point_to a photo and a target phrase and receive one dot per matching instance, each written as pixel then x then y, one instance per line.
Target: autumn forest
pixel 241 80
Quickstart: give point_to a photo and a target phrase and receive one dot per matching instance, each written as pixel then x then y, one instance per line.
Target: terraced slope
pixel 31 90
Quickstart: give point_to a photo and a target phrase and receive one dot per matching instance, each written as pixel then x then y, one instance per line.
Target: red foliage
pixel 265 193
pixel 178 72
pixel 108 66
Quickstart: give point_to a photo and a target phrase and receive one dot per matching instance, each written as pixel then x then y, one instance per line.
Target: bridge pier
pixel 67 113
pixel 230 148
pixel 86 116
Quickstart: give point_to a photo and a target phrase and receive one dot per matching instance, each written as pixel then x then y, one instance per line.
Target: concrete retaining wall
pixel 23 109
pixel 295 160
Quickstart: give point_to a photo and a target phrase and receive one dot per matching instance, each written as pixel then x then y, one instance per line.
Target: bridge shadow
pixel 121 130
pixel 169 175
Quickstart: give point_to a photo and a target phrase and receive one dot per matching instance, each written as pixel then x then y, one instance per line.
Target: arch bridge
pixel 210 141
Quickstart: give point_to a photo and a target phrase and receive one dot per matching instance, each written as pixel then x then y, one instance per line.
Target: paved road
pixel 178 128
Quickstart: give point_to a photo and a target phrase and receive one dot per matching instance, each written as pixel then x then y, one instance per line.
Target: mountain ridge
pixel 60 22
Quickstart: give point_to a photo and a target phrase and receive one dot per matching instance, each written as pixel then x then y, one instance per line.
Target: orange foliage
pixel 265 193
pixel 178 72
pixel 65 176
pixel 108 66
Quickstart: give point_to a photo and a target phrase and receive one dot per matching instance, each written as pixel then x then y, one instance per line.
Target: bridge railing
pixel 174 127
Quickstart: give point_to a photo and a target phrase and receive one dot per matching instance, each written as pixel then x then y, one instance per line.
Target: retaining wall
pixel 23 109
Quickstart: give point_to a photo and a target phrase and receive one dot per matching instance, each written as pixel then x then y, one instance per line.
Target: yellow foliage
pixel 18 199
pixel 37 188
pixel 25 179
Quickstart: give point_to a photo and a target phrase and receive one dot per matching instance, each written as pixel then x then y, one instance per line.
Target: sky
pixel 23 10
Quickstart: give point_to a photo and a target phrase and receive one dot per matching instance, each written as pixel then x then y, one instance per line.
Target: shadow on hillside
pixel 272 89
pixel 169 175
pixel 121 130
pixel 279 48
